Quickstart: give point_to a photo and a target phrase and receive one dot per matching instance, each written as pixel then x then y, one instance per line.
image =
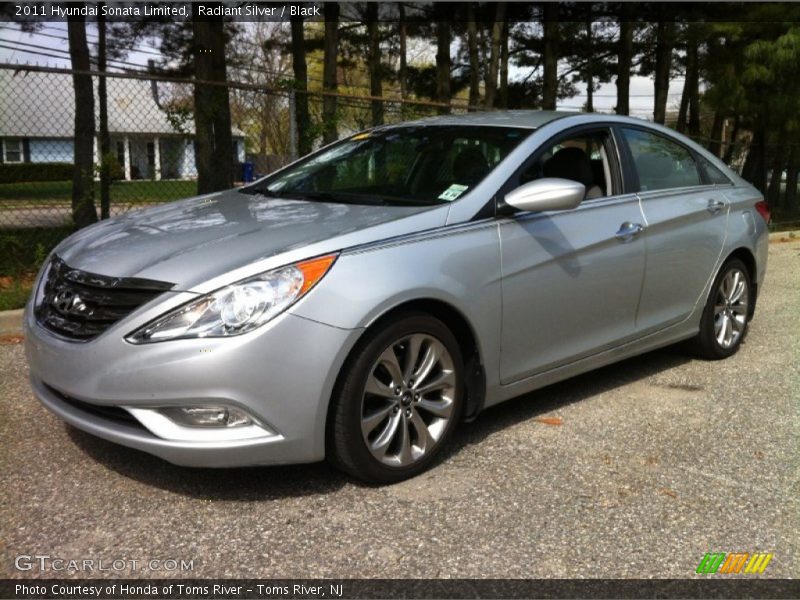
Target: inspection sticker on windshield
pixel 453 192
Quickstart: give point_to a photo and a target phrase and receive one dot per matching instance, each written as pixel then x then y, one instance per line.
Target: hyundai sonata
pixel 359 303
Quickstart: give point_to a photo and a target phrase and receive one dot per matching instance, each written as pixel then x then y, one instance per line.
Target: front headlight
pixel 239 307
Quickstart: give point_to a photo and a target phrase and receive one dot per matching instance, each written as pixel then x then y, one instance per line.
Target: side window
pixel 713 174
pixel 582 158
pixel 659 162
pixel 13 151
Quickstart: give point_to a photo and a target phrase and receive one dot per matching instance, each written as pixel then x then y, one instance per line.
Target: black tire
pixel 706 344
pixel 347 447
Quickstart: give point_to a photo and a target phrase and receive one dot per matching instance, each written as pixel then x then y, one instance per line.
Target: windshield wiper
pixel 335 198
pixel 404 201
pixel 264 191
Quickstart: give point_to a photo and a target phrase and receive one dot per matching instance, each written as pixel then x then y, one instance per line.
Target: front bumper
pixel 282 374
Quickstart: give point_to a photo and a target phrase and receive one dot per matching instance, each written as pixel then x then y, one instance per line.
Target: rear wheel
pixel 398 401
pixel 724 322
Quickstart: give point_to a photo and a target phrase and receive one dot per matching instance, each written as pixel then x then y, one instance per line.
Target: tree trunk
pixel 624 60
pixel 680 126
pixel 790 201
pixel 778 165
pixel 212 113
pixel 589 65
pixel 754 169
pixel 550 57
pixel 494 56
pixel 300 70
pixel 443 62
pixel 504 68
pixel 105 140
pixel 715 144
pixel 83 210
pixel 664 43
pixel 329 75
pixel 403 60
pixel 474 64
pixel 693 81
pixel 731 148
pixel 374 63
pixel 689 77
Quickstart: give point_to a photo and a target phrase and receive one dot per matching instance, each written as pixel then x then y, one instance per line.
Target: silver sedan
pixel 361 302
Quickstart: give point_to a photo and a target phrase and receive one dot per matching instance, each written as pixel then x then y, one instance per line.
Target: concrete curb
pixel 11 322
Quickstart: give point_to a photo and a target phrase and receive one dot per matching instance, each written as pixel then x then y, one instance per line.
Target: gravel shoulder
pixel 657 461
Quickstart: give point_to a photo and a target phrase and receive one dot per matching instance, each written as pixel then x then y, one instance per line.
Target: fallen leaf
pixel 550 420
pixel 11 339
pixel 669 492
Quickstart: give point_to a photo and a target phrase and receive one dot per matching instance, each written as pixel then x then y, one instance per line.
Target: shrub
pixel 18 172
pixel 23 250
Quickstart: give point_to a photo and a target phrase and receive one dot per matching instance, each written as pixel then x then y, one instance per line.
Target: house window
pixel 12 151
pixel 121 153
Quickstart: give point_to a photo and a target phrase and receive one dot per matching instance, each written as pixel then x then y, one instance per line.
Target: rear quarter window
pixel 713 175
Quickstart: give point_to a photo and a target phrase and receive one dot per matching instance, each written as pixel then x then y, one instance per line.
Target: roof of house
pixel 36 104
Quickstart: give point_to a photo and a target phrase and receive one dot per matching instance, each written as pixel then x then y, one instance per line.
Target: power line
pixel 151 51
pixel 30 51
pixel 64 54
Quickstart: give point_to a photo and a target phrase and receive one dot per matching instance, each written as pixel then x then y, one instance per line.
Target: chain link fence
pixel 151 157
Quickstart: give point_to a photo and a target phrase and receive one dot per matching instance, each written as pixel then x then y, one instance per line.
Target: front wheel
pixel 398 401
pixel 724 322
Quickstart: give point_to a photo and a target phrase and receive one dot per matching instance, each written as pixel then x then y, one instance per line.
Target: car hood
pixel 193 241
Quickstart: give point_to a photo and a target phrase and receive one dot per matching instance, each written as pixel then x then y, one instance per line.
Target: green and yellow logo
pixel 733 562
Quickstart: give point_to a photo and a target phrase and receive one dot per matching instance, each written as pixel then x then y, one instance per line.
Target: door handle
pixel 628 231
pixel 714 206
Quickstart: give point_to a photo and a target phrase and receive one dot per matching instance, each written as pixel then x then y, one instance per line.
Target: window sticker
pixel 453 192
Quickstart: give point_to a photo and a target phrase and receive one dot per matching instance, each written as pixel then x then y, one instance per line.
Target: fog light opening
pixel 207 416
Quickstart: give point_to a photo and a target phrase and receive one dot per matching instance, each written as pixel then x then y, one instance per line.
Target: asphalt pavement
pixel 634 470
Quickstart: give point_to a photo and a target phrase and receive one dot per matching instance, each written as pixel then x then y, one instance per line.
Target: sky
pixel 49 48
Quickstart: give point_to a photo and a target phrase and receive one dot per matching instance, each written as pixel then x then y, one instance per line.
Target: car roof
pixel 528 119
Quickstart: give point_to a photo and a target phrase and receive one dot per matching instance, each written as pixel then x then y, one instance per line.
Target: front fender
pixel 458 266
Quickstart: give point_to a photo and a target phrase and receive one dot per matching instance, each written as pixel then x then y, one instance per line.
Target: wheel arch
pixel 457 323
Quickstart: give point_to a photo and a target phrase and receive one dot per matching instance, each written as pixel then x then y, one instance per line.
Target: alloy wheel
pixel 730 308
pixel 408 400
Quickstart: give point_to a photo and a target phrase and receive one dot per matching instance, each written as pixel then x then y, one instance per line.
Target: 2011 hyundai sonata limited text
pixel 359 303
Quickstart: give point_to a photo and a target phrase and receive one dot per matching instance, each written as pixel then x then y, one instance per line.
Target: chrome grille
pixel 80 306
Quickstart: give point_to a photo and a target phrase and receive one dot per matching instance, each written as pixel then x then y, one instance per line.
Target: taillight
pixel 763 209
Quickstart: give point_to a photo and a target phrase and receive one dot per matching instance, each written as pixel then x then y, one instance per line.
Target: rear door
pixel 571 279
pixel 686 217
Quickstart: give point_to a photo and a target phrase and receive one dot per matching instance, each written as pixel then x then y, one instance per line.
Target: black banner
pixel 420 12
pixel 269 589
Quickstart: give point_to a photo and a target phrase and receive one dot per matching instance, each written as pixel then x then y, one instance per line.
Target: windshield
pixel 414 165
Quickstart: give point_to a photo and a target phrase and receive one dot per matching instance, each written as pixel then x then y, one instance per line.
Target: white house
pixel 37 115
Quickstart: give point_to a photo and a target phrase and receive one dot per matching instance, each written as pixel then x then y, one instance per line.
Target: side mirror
pixel 549 193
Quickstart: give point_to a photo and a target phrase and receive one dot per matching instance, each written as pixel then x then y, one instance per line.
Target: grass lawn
pixel 22 252
pixel 23 249
pixel 122 192
pixel 14 293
